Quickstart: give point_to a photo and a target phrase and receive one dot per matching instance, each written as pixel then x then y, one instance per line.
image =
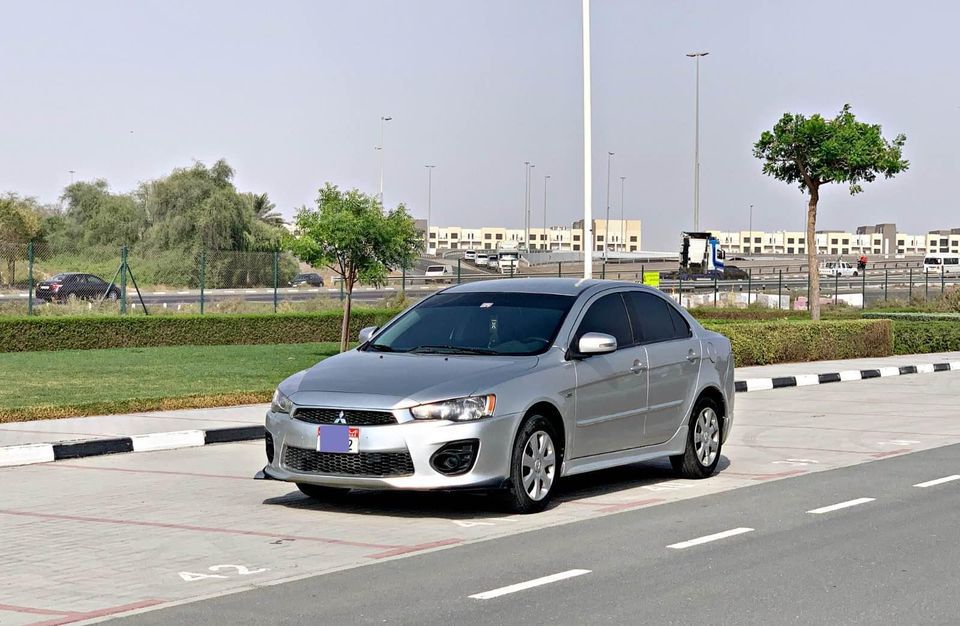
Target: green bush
pixel 763 343
pixel 914 316
pixel 752 313
pixel 918 335
pixel 88 333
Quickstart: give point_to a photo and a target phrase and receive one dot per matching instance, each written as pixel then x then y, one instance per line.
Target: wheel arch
pixel 553 416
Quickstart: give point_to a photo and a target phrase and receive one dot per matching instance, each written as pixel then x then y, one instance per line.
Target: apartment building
pixel 620 236
pixel 880 239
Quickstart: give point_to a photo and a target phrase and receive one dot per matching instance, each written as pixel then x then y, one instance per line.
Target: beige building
pixel 620 236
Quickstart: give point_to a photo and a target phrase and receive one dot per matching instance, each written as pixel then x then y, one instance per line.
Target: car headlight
pixel 280 403
pixel 458 410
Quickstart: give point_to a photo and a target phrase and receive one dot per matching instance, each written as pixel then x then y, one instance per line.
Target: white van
pixel 939 262
pixel 470 255
pixel 480 259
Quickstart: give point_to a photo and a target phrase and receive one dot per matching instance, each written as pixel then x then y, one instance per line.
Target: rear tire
pixel 321 493
pixel 704 433
pixel 534 466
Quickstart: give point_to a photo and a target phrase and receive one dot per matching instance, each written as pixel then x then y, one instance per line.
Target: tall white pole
pixel 383 120
pixel 526 192
pixel 623 224
pixel 547 245
pixel 429 202
pixel 587 150
pixel 696 145
pixel 606 232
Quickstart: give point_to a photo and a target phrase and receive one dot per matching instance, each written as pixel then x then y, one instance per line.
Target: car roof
pixel 555 286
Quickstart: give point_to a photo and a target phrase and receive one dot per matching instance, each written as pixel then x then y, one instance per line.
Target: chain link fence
pixel 39 279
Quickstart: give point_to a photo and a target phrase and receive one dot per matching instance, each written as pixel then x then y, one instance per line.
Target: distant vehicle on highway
pixel 309 279
pixel 508 385
pixel 840 269
pixel 470 255
pixel 508 257
pixel 937 263
pixel 438 273
pixel 493 260
pixel 62 287
pixel 481 259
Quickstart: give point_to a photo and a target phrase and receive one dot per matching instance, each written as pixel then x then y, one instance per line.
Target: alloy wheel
pixel 706 436
pixel 538 465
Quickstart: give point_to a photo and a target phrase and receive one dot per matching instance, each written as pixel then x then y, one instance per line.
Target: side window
pixel 607 315
pixel 681 329
pixel 651 318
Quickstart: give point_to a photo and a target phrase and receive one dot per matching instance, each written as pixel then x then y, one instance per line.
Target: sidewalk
pixel 79 436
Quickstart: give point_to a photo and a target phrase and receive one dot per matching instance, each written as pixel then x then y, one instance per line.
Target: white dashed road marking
pixel 709 538
pixel 536 582
pixel 841 505
pixel 938 481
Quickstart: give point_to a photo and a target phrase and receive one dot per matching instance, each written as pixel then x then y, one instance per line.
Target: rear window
pixel 932 261
pixel 435 268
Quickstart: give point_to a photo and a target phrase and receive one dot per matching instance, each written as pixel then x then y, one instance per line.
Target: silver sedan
pixel 508 385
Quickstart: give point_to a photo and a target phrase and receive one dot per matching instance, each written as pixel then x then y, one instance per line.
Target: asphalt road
pixel 888 560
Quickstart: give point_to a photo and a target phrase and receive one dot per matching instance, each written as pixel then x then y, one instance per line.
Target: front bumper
pixel 421 439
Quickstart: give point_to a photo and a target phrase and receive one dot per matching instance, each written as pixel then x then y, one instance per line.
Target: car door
pixel 611 393
pixel 672 359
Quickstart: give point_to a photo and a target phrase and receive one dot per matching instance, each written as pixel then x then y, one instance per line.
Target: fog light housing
pixel 269 443
pixel 456 457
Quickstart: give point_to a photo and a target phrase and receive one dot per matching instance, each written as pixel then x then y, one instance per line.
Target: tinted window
pixel 653 319
pixel 608 315
pixel 468 323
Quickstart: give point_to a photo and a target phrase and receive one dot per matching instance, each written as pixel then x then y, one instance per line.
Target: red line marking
pixel 113 610
pixel 55 432
pixel 207 529
pixel 851 430
pixel 880 455
pixel 139 471
pixel 414 548
pixel 27 609
pixel 734 445
pixel 611 508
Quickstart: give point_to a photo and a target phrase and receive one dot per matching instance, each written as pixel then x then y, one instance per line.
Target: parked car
pixel 61 287
pixel 508 385
pixel 437 273
pixel 838 268
pixel 309 279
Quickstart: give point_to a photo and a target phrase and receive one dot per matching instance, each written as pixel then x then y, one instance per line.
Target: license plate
pixel 337 438
pixel 44 287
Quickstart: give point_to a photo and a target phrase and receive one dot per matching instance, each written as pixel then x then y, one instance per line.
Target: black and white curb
pixel 30 453
pixel 803 380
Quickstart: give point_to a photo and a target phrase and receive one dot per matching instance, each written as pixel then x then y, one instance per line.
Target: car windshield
pixel 931 261
pixel 477 323
pixel 59 278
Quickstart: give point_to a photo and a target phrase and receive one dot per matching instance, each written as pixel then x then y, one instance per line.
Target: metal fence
pixel 212 281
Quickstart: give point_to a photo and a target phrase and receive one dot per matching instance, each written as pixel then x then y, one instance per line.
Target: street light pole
pixel 587 148
pixel 545 179
pixel 526 209
pixel 429 202
pixel 606 233
pixel 750 234
pixel 72 172
pixel 696 146
pixel 623 224
pixel 383 120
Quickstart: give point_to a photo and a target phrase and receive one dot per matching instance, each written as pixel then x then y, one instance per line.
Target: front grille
pixel 353 418
pixel 360 464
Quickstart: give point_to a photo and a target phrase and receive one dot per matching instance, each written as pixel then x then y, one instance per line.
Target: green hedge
pixel 763 343
pixel 921 337
pixel 914 316
pixel 88 333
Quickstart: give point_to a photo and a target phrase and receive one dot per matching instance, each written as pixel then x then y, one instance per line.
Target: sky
pixel 291 94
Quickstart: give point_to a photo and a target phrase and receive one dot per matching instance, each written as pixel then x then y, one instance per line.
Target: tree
pixel 349 233
pixel 264 210
pixel 95 216
pixel 20 222
pixel 814 151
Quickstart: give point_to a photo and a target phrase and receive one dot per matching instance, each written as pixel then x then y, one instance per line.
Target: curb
pixel 803 380
pixel 30 453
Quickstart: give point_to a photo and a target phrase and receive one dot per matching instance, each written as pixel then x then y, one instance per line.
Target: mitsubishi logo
pixel 340 419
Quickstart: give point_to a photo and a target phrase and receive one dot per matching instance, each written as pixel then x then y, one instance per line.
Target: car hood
pixel 371 379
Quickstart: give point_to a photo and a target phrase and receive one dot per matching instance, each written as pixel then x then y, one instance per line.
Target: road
pixel 888 560
pixel 108 535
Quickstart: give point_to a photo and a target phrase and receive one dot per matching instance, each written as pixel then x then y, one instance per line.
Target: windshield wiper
pixel 452 350
pixel 379 347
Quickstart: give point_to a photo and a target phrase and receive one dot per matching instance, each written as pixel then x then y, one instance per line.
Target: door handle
pixel 692 356
pixel 638 367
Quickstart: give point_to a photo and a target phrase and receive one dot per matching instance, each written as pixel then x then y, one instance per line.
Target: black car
pixel 311 279
pixel 81 286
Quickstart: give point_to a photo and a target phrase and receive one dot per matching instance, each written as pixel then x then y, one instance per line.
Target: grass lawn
pixel 40 385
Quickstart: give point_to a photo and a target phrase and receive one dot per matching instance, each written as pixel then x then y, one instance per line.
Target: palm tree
pixel 265 210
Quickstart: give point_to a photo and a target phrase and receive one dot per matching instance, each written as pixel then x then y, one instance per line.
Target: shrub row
pixel 763 343
pixel 89 333
pixel 914 316
pixel 921 337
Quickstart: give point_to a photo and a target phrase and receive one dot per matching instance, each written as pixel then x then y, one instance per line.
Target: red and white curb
pixel 30 453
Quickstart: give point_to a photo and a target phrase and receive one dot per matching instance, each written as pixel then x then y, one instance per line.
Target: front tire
pixel 534 466
pixel 702 453
pixel 321 493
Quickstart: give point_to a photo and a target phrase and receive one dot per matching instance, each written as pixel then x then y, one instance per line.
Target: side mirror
pixel 597 343
pixel 366 334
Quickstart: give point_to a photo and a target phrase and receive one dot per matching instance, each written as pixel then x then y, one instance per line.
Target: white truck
pixel 701 255
pixel 508 258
